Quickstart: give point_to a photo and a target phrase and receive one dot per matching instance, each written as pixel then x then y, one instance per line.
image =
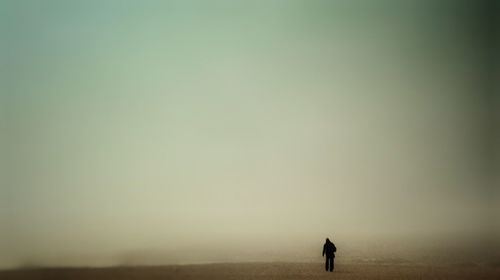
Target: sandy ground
pixel 259 271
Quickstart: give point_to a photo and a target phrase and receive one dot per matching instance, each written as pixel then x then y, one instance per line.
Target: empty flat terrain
pixel 259 271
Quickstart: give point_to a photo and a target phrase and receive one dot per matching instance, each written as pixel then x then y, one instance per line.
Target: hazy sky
pixel 179 125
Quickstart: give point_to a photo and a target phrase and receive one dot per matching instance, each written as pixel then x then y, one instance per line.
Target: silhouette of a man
pixel 329 249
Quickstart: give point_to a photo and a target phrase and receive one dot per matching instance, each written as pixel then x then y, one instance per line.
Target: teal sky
pixel 168 125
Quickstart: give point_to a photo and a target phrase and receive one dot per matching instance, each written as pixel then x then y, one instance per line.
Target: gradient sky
pixel 172 125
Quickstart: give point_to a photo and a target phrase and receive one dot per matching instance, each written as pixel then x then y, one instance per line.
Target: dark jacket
pixel 329 249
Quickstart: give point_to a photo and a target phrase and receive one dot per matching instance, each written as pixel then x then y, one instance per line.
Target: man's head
pixel 327 240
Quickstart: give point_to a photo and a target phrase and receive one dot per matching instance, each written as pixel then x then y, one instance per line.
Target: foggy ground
pixel 261 271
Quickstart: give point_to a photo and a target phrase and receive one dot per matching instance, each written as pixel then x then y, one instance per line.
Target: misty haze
pixel 229 139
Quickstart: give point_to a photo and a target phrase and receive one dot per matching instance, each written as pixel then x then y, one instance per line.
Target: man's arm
pixel 324 249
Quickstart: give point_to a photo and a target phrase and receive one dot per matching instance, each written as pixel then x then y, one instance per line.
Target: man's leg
pixel 331 264
pixel 326 263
